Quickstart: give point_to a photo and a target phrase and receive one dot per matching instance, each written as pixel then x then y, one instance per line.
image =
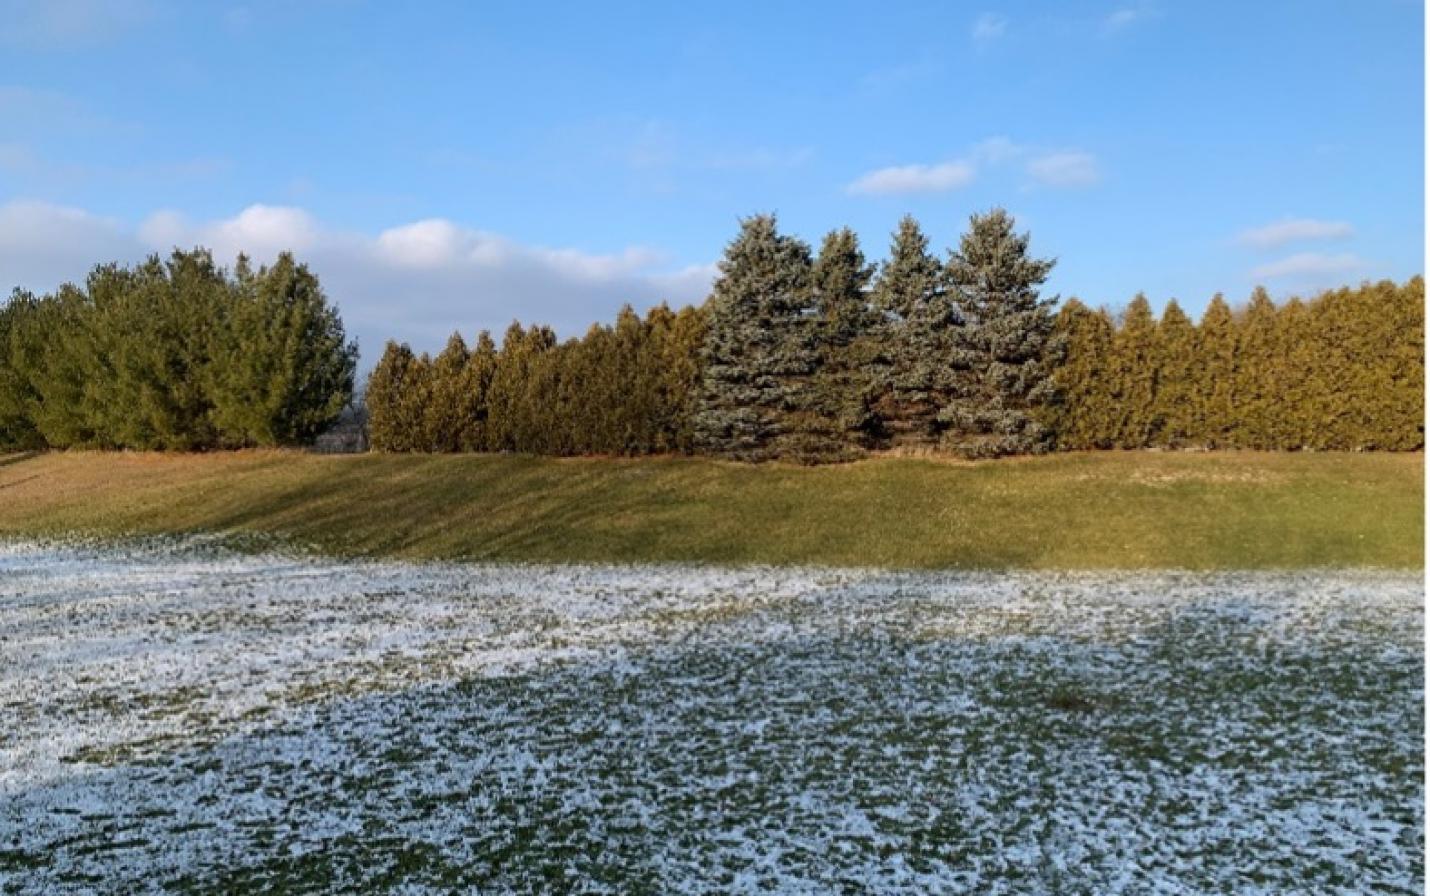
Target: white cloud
pixel 1061 168
pixel 1065 169
pixel 1310 266
pixel 989 27
pixel 914 179
pixel 1291 230
pixel 261 231
pixel 424 244
pixel 415 282
pixel 42 245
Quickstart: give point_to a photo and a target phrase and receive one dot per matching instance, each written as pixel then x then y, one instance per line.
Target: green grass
pixel 1100 510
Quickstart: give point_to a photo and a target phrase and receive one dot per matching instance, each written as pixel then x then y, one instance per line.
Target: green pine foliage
pixel 174 354
pixel 1008 342
pixel 760 350
pixel 282 367
pixel 18 396
pixel 846 384
pixel 920 363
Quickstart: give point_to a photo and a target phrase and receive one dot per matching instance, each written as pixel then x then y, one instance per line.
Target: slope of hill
pixel 1103 510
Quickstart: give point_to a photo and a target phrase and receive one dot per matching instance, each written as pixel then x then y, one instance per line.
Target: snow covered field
pixel 182 719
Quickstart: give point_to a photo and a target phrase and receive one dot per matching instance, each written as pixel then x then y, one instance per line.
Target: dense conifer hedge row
pixel 1345 370
pixel 798 354
pixel 622 389
pixel 818 356
pixel 174 355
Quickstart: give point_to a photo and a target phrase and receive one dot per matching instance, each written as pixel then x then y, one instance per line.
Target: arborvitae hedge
pixel 1342 371
pixel 621 390
pixel 174 355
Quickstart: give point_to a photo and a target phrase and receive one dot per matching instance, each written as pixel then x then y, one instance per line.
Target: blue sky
pixel 456 164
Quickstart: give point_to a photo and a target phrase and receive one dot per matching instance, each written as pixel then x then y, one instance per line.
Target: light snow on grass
pixel 179 718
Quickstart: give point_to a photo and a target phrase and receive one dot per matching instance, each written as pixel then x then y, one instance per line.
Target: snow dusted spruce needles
pixel 177 718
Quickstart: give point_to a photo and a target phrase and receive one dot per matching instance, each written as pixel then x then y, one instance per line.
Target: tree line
pixel 1344 370
pixel 797 354
pixel 174 354
pixel 622 389
pixel 819 356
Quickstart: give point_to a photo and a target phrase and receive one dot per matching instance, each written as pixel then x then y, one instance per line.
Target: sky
pixel 457 165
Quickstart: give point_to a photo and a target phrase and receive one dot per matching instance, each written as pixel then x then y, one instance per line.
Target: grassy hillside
pixel 1235 510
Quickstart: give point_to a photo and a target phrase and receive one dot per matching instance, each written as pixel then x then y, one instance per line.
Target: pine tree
pixel 845 390
pixel 1008 334
pixel 17 392
pixel 57 350
pixel 759 349
pixel 282 368
pixel 919 365
pixel 1175 404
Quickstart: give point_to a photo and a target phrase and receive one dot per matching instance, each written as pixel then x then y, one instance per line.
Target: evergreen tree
pixel 1085 416
pixel 383 398
pixel 1175 404
pixel 1292 425
pixel 56 353
pixel 151 336
pixel 17 393
pixel 759 349
pixel 845 389
pixel 282 369
pixel 679 358
pixel 1008 334
pixel 1216 376
pixel 515 414
pixel 920 365
pixel 1401 409
pixel 1258 395
pixel 1134 376
pixel 447 408
pixel 474 394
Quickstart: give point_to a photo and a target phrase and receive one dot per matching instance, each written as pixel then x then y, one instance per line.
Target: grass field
pixel 1108 510
pixel 193 721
